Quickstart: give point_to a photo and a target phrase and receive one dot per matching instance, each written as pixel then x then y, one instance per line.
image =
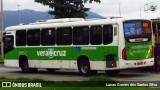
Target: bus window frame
pixel 139 36
pixel 6 50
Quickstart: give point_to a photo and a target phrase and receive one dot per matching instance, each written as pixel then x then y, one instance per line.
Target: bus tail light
pixel 152 51
pixel 124 54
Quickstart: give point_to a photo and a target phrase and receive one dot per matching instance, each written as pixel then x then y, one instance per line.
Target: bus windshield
pixel 8 43
pixel 137 31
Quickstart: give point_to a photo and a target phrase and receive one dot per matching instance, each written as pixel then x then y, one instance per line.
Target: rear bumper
pixel 125 64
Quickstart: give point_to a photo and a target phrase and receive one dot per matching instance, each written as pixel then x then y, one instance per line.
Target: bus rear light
pixel 124 54
pixel 152 51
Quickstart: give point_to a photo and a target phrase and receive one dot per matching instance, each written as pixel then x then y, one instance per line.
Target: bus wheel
pixel 84 67
pixel 112 72
pixel 25 67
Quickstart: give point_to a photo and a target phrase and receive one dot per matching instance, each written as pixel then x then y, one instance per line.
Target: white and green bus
pixel 84 45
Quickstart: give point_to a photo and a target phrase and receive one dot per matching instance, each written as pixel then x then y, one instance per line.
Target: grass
pixel 92 83
pixel 83 88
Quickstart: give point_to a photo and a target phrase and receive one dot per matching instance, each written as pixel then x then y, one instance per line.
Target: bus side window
pixel 33 37
pixel 21 38
pixel 96 35
pixel 64 36
pixel 81 35
pixel 48 37
pixel 107 34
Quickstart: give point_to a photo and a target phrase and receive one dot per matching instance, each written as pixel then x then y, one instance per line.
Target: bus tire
pixel 25 67
pixel 23 63
pixel 112 72
pixel 84 67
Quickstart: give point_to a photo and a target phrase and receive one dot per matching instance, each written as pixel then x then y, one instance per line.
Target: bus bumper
pixel 126 64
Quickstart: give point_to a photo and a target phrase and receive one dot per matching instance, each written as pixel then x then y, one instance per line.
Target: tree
pixel 67 8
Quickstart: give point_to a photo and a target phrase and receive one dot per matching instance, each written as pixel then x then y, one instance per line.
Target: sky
pixel 107 8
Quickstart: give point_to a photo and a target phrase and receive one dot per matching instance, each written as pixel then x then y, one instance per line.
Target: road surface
pixel 72 75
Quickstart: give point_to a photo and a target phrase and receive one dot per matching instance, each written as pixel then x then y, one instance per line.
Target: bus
pixel 80 44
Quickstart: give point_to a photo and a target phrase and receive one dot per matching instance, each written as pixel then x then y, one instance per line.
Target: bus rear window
pixel 137 31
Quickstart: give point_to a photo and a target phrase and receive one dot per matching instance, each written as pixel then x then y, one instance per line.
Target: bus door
pixel 156 30
pixel 138 40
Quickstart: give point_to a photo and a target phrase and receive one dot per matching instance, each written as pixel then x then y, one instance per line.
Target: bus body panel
pixel 138 39
pixel 101 57
pixel 139 51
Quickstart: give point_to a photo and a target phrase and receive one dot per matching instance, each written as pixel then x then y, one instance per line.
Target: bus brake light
pixel 152 51
pixel 124 54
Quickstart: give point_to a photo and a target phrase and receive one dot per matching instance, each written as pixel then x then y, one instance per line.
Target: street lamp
pixel 119 9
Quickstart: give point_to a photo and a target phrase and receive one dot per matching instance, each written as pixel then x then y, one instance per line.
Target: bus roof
pixel 67 22
pixel 155 20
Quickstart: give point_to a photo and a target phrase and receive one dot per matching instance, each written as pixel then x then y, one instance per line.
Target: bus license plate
pixel 140 63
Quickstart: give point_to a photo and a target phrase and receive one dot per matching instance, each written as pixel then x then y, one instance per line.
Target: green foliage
pixel 67 8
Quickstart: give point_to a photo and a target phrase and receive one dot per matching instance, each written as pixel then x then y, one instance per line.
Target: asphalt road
pixel 72 75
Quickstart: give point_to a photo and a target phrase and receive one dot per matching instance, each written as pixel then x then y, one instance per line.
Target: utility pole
pixel 140 13
pixel 119 9
pixel 1 25
pixel 18 14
